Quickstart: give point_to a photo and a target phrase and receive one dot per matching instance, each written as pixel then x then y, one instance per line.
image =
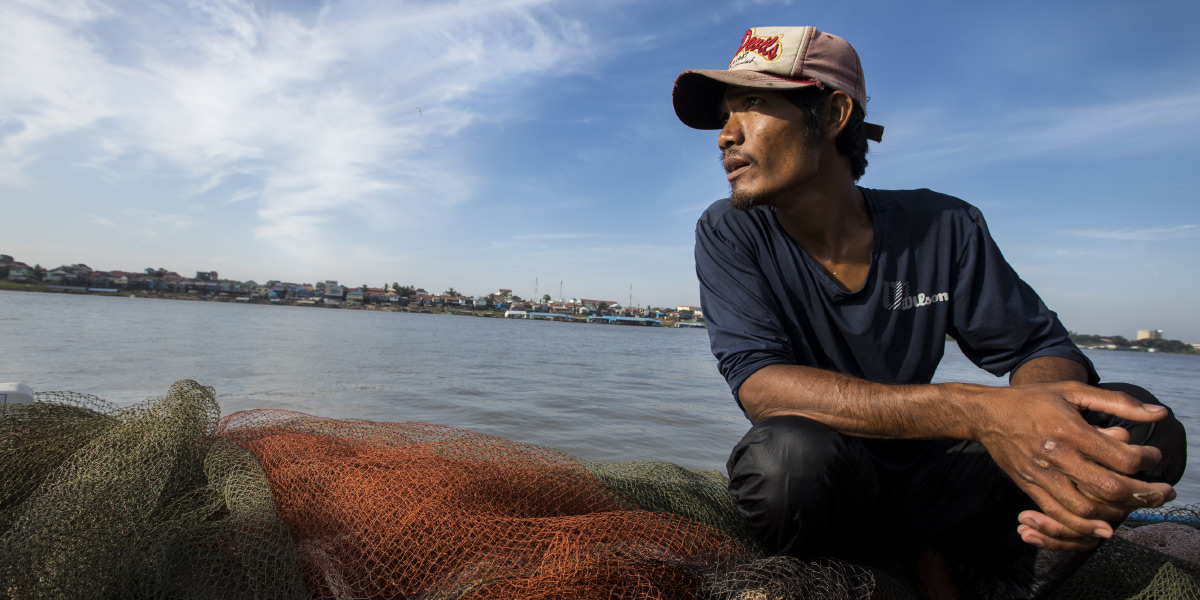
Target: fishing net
pixel 165 500
pixel 141 502
pixel 384 510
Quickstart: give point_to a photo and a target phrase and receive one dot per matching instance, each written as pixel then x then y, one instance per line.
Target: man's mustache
pixel 735 154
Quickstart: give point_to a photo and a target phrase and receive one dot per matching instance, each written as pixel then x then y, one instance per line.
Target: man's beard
pixel 745 201
pixel 742 200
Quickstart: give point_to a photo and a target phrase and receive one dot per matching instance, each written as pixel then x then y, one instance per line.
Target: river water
pixel 595 391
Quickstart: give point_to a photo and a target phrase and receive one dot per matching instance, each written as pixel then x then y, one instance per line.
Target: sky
pixel 531 144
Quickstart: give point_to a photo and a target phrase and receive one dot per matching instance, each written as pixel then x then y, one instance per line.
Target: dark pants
pixel 809 491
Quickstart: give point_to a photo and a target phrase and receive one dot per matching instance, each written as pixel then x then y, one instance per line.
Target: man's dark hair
pixel 851 142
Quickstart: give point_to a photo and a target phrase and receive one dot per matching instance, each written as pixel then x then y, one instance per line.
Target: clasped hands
pixel 1077 474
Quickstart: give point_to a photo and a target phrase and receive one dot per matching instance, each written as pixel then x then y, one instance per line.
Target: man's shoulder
pixel 921 205
pixel 723 209
pixel 909 206
pixel 919 200
pixel 722 216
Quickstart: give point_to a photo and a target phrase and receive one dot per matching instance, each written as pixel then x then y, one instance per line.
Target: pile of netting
pixel 166 499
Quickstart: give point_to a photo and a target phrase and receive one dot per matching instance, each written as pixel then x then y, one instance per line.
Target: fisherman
pixel 828 306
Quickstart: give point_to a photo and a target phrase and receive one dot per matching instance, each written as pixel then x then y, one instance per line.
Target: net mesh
pixel 141 502
pixel 165 500
pixel 415 510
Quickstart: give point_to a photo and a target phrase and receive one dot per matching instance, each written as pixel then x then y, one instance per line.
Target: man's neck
pixel 829 218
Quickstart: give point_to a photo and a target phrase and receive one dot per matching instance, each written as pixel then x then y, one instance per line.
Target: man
pixel 828 306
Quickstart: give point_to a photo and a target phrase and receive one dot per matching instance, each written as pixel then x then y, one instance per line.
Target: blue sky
pixel 491 144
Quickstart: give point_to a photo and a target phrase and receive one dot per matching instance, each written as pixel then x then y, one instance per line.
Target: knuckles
pixel 1081 506
pixel 1128 462
pixel 1112 490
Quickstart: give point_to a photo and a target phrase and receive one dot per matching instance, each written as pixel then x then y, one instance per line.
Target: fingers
pixel 1118 456
pixel 1111 450
pixel 1113 403
pixel 1101 484
pixel 1034 538
pixel 1042 531
pixel 1060 432
pixel 1073 520
pixel 1096 467
pixel 1117 433
pixel 1095 525
pixel 1094 492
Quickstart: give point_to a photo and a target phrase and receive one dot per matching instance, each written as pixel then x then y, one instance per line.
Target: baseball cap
pixel 777 58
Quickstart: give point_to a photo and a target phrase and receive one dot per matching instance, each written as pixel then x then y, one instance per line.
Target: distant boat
pixel 691 325
pixel 625 321
pixel 541 316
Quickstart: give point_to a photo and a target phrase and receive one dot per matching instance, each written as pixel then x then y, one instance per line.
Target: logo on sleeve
pixel 898 296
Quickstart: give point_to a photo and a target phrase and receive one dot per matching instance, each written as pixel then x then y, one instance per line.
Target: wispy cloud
pixel 164 220
pixel 44 80
pixel 553 236
pixel 291 106
pixel 957 136
pixel 1150 234
pixel 98 220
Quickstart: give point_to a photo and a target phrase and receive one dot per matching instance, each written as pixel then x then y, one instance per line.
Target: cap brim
pixel 698 93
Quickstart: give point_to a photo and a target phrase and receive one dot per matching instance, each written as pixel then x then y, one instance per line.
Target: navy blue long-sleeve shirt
pixel 935 270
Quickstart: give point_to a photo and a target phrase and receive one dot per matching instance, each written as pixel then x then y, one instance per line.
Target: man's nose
pixel 731 132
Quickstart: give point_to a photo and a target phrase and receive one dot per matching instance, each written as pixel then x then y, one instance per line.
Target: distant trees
pixel 403 290
pixel 545 298
pixel 1174 346
pixel 451 292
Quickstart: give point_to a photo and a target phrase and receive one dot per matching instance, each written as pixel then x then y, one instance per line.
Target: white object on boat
pixel 14 393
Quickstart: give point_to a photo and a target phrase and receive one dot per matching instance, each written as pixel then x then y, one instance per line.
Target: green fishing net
pixel 142 502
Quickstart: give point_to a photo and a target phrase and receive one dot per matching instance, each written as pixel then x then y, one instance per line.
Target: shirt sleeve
pixel 742 317
pixel 998 320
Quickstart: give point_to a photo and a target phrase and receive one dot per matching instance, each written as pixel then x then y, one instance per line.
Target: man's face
pixel 763 146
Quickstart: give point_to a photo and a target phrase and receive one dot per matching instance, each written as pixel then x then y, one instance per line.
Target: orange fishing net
pixel 385 510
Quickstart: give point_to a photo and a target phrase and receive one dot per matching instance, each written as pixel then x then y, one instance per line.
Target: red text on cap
pixel 766 47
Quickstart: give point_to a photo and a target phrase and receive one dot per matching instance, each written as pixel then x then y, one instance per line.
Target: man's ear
pixel 838 107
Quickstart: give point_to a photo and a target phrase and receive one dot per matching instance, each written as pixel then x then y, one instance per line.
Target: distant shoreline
pixel 233 299
pixel 1120 344
pixel 1192 352
pixel 1084 341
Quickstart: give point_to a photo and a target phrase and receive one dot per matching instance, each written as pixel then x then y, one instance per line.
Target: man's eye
pixel 752 101
pixel 724 118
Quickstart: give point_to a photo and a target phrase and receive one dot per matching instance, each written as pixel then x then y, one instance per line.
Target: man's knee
pixel 793 447
pixel 1168 434
pixel 789 475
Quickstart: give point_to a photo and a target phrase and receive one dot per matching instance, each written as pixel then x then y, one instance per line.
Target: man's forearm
pixel 857 407
pixel 861 408
pixel 1049 369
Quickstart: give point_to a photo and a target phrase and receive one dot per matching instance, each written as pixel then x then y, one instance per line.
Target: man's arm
pixel 1077 475
pixel 1049 369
